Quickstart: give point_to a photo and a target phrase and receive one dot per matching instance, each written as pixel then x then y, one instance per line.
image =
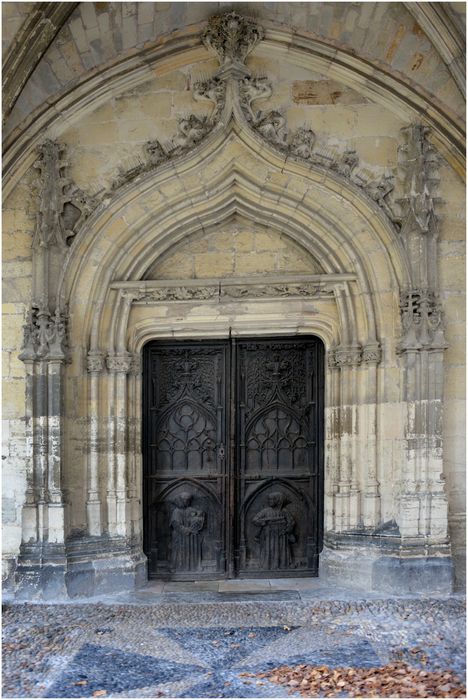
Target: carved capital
pixel 422 320
pixel 372 353
pixel 95 361
pixel 45 334
pixel 136 366
pixel 119 362
pixel 232 37
pixel 348 356
pixel 331 359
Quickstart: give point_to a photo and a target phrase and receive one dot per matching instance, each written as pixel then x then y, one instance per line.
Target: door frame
pixel 231 506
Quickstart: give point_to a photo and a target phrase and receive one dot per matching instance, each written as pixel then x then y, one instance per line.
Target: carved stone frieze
pixel 95 361
pixel 229 291
pixel 419 161
pixel 63 206
pixel 120 362
pixel 422 321
pixel 232 37
pixel 172 294
pixel 274 290
pixel 331 359
pixel 45 334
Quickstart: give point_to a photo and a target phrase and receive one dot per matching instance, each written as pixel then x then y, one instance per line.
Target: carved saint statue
pixel 186 524
pixel 275 534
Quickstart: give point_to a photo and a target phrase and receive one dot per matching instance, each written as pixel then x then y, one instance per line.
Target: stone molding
pixel 232 37
pixel 45 335
pixel 310 286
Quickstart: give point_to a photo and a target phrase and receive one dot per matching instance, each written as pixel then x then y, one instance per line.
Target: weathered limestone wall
pixel 19 217
pixel 237 203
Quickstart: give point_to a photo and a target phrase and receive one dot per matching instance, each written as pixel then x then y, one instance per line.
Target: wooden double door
pixel 233 458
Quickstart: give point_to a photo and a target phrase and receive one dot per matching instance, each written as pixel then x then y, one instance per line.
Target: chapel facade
pixel 233 247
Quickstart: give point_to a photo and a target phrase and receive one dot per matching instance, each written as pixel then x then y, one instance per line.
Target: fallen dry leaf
pixel 397 679
pixel 99 693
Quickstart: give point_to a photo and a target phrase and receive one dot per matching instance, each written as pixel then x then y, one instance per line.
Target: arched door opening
pixel 233 434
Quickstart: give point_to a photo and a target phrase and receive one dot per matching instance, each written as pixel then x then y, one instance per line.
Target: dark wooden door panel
pixel 233 452
pixel 184 453
pixel 279 437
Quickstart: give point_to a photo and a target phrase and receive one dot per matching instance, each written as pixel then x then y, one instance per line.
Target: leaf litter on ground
pixel 396 680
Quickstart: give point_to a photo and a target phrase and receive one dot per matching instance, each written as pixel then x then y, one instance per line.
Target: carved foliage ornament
pixel 422 321
pixel 45 334
pixel 353 356
pixel 238 291
pixel 62 205
pixel 232 37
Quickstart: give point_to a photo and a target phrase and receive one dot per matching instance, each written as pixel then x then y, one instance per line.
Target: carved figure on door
pixel 186 524
pixel 275 534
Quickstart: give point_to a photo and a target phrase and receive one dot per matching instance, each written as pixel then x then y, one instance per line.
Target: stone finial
pixel 63 206
pixel 232 37
pixel 418 160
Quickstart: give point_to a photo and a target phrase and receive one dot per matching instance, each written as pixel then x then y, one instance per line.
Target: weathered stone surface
pixel 288 187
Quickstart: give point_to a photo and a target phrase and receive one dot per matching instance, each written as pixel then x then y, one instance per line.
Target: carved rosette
pixel 422 321
pixel 121 362
pixel 95 362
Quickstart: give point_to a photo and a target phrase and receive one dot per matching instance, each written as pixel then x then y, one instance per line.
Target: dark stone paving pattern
pixel 146 651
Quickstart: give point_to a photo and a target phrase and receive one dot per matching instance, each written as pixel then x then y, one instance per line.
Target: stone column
pixel 371 356
pixel 332 445
pixel 118 365
pixel 348 358
pixel 95 366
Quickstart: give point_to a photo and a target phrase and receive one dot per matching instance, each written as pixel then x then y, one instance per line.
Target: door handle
pixel 221 451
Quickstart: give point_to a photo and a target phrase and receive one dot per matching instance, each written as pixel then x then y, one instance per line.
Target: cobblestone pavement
pixel 177 648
